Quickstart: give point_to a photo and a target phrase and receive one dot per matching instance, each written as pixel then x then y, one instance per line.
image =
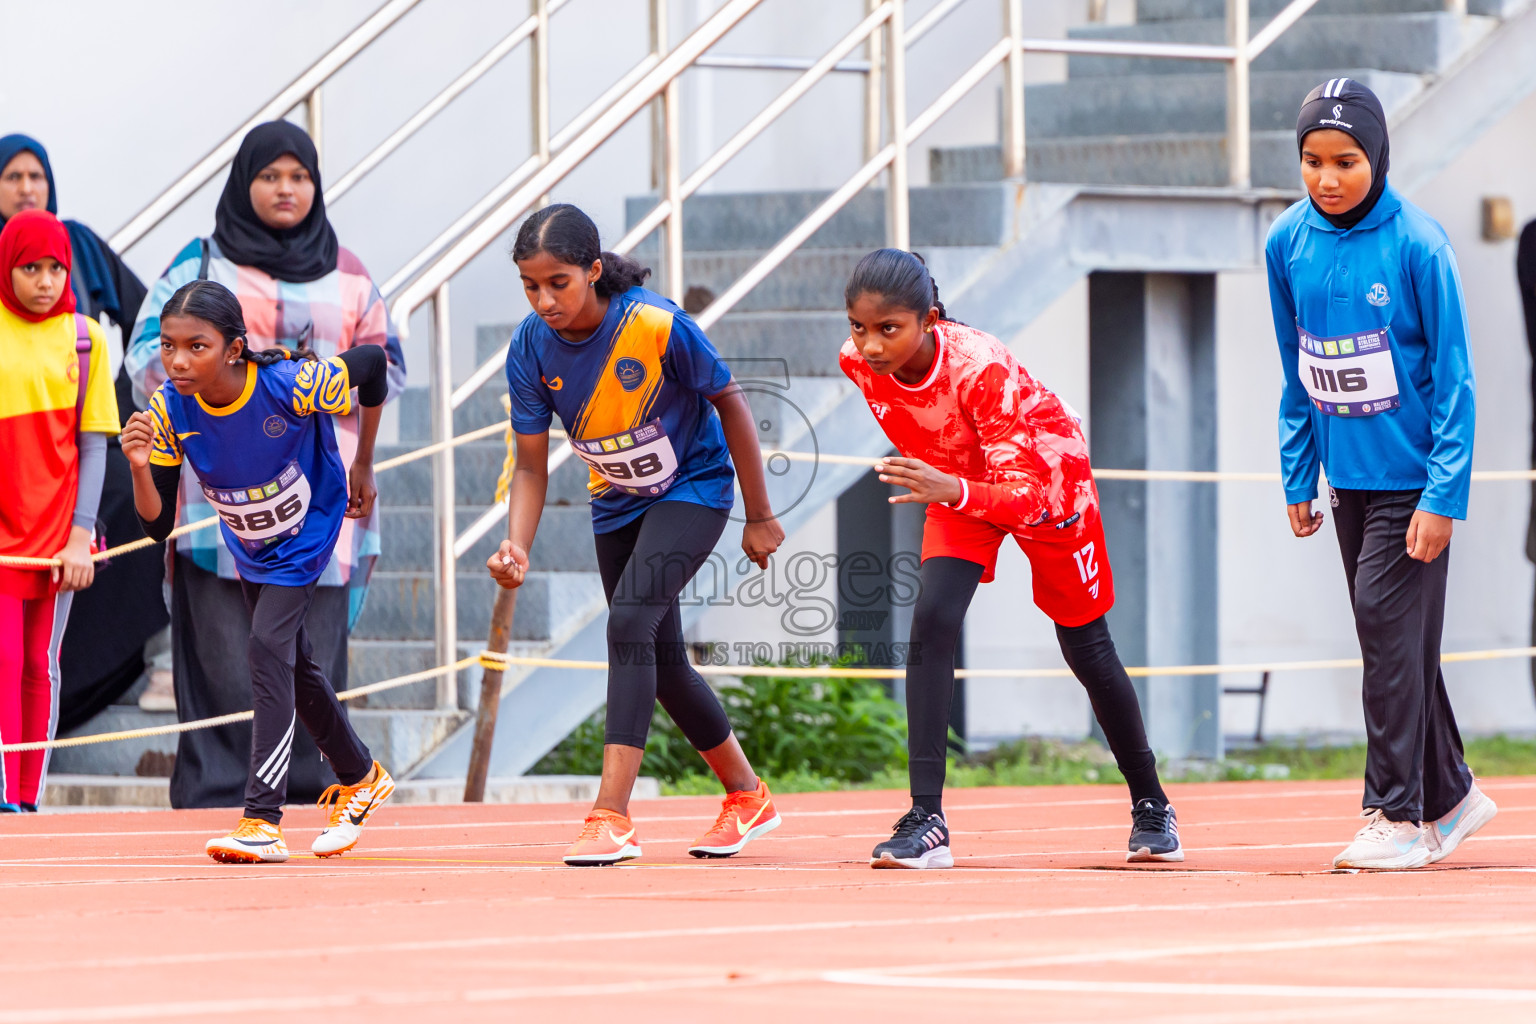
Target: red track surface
pixel 462 914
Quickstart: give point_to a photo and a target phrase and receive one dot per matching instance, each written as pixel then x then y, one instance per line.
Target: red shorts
pixel 1073 583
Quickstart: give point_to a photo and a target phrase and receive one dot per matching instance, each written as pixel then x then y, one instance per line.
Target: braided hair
pixel 214 304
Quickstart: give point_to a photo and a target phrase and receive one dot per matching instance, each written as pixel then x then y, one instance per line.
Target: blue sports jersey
pixel 632 399
pixel 267 464
pixel 1373 341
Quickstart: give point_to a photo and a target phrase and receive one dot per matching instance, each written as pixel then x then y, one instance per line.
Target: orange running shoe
pixel 351 807
pixel 252 842
pixel 607 837
pixel 743 817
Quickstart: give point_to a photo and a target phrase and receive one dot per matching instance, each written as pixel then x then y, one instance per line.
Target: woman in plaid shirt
pixel 274 248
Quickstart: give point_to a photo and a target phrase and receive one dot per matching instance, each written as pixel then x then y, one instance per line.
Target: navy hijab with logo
pixel 1347 106
pixel 91 274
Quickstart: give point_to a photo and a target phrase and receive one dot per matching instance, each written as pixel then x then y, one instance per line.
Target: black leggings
pixel 645 564
pixel 947 586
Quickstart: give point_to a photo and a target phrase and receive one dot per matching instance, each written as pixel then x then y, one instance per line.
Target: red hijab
pixel 29 236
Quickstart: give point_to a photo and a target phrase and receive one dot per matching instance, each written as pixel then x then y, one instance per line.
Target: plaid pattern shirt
pixel 328 316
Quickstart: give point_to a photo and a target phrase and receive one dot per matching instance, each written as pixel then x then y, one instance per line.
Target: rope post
pixel 898 232
pixel 446 565
pixel 1239 128
pixel 497 642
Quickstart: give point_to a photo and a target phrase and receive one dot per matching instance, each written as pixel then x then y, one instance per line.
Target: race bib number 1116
pixel 1351 375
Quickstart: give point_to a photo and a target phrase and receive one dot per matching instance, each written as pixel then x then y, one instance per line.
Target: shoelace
pixel 1149 817
pixel 338 797
pixel 250 828
pixel 732 805
pixel 911 823
pixel 1377 827
pixel 592 828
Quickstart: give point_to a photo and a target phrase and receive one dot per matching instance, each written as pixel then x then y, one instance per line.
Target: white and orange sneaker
pixel 351 807
pixel 252 842
pixel 743 817
pixel 607 837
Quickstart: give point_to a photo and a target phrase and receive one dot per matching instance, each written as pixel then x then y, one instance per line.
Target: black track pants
pixel 1414 769
pixel 947 586
pixel 288 688
pixel 645 564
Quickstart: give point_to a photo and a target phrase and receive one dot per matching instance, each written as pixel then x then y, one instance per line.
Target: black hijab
pixel 1346 105
pixel 304 252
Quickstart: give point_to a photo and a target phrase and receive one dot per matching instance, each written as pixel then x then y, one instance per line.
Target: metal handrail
pixel 434 106
pixel 303 89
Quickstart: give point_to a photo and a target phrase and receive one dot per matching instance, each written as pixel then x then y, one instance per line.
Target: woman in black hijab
pixel 274 248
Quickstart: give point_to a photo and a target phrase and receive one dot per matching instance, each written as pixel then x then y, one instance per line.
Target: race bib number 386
pixel 266 513
pixel 1350 375
pixel 639 461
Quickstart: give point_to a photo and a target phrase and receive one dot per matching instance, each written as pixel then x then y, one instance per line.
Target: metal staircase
pixel 1126 168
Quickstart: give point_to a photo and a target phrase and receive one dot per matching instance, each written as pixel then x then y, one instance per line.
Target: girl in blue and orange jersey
pixel 648 404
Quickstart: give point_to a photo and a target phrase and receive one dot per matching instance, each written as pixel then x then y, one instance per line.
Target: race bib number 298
pixel 640 461
pixel 1351 375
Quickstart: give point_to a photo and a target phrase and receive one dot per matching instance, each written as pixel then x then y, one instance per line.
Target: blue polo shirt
pixel 1382 298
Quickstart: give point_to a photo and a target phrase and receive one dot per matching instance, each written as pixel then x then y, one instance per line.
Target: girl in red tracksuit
pixel 994 454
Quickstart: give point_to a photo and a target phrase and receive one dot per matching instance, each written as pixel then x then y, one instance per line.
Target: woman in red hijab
pixel 57 407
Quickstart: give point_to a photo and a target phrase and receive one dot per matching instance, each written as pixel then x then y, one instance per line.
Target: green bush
pixel 817 731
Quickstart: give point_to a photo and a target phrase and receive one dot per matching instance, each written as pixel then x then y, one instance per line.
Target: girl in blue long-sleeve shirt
pixel 1379 392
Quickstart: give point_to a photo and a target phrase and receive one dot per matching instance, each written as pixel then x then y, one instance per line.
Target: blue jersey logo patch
pixel 275 426
pixel 1378 296
pixel 631 373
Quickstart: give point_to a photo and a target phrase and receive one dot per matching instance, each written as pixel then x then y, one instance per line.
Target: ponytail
pixel 900 278
pixel 568 234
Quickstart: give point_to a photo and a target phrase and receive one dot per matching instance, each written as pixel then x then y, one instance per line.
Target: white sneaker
pixel 1385 845
pixel 351 807
pixel 160 694
pixel 252 842
pixel 1443 836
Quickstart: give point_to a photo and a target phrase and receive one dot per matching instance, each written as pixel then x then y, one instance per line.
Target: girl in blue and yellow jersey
pixel 1379 392
pixel 648 404
pixel 256 428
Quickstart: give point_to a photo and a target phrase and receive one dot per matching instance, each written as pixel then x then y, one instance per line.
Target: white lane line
pixel 1152 988
pixel 1350 939
pixel 927 922
pixel 217 1008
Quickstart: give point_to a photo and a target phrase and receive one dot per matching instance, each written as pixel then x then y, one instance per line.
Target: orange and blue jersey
pixel 633 398
pixel 267 463
pixel 39 391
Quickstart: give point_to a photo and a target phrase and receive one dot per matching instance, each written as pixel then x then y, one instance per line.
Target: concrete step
pixel 807 343
pixel 402 605
pixel 1189 160
pixel 563 544
pixel 71 791
pixel 944 215
pixel 476 468
pixel 118 758
pixel 479 410
pixel 1150 105
pixel 399 738
pixel 1416 43
pixel 1260 11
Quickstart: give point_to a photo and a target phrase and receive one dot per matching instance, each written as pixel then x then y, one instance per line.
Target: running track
pixel 461 913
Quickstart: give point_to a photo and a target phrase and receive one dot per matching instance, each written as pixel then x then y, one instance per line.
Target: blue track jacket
pixel 1393 270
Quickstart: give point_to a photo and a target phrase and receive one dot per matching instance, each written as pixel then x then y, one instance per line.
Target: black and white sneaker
pixel 920 840
pixel 1154 832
